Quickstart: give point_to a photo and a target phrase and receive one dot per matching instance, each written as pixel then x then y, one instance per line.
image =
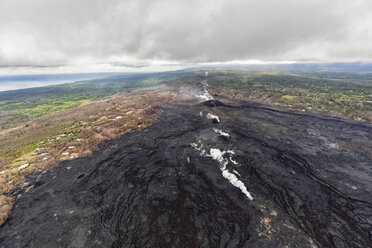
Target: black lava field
pixel 207 175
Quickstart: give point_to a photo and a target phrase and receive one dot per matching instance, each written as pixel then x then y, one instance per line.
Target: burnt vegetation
pixel 177 177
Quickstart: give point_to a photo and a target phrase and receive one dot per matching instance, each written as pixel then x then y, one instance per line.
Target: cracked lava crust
pixel 208 175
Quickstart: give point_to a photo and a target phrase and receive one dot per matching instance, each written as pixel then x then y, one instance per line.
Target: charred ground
pixel 310 177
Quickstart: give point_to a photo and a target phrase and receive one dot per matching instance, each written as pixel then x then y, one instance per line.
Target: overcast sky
pixel 114 33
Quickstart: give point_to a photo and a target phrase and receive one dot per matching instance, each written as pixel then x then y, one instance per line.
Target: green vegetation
pixel 71 133
pixel 288 97
pixel 51 107
pixel 331 93
pixel 148 82
pixel 24 105
pixel 341 94
pixel 85 112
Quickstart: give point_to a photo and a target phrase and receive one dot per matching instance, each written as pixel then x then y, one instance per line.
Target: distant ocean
pixel 15 82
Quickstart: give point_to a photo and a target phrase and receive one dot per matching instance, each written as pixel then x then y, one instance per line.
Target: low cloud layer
pixel 70 32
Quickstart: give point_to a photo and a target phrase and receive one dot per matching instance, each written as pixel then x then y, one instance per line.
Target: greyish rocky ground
pixel 237 175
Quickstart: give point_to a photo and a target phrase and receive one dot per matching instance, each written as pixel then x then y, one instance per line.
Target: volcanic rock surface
pixel 184 183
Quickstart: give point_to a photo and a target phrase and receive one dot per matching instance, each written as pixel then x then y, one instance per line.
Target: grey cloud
pixel 52 33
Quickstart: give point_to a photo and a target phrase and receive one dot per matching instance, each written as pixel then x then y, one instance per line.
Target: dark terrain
pixel 310 177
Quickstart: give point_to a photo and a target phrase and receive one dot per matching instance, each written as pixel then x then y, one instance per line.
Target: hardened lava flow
pixel 208 175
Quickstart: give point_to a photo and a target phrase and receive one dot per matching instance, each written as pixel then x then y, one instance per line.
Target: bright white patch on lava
pixel 218 131
pixel 236 173
pixel 205 96
pixel 233 161
pixel 236 182
pixel 211 117
pixel 217 154
pixel 201 113
pixel 231 152
pixel 200 92
pixel 195 146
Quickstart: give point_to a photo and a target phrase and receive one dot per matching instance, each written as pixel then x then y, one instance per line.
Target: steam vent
pixel 207 174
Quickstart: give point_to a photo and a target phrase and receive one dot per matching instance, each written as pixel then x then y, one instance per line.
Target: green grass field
pixel 329 94
pixel 36 118
pixel 24 105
